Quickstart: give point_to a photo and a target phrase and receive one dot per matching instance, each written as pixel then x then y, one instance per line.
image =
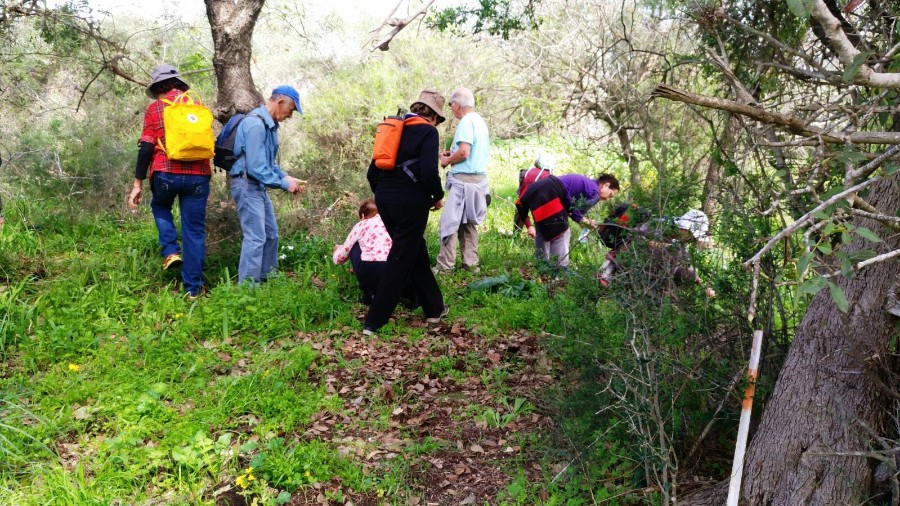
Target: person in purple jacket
pixel 553 200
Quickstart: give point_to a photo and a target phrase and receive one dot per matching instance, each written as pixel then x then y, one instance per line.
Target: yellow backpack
pixel 188 126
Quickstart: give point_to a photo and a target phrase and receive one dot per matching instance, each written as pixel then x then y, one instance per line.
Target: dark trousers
pixel 408 260
pixel 368 274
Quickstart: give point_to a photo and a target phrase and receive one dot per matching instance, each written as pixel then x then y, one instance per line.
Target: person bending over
pixel 367 248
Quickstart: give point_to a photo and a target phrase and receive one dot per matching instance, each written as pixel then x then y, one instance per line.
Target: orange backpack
pixel 387 139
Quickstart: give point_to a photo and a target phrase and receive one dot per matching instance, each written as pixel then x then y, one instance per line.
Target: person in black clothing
pixel 404 198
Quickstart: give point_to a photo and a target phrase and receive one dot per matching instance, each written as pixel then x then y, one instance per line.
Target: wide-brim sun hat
pixel 696 222
pixel 434 100
pixel 163 73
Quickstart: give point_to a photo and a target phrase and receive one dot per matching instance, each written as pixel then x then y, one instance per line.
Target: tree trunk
pixel 621 131
pixel 634 173
pixel 714 169
pixel 232 23
pixel 827 386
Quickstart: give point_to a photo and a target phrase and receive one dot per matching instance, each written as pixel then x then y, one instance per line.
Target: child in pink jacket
pixel 367 248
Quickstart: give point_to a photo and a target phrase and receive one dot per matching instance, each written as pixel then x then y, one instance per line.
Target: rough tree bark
pixel 827 386
pixel 232 23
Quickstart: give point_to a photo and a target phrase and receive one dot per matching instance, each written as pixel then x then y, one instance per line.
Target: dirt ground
pixel 399 410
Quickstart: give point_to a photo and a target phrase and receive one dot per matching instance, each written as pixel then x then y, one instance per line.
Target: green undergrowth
pixel 114 387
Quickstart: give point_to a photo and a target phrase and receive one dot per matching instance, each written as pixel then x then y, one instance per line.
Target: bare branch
pixel 867 169
pixel 865 263
pixel 86 88
pixel 807 217
pixel 871 212
pixel 847 52
pixel 805 74
pixel 113 66
pixel 398 24
pixel 791 123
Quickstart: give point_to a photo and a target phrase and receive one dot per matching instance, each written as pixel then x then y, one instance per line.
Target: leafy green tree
pixel 827 77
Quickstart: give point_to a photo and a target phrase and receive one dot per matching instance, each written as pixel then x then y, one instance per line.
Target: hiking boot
pixel 368 332
pixel 173 260
pixel 437 319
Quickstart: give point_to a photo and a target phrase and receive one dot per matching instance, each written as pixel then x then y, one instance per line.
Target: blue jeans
pixel 192 193
pixel 259 249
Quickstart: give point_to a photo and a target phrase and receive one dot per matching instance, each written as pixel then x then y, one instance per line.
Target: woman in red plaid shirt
pixel 171 179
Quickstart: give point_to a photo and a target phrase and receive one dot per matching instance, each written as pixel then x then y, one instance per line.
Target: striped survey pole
pixel 740 447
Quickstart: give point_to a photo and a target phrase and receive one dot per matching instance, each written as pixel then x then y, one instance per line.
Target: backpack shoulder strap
pixel 255 115
pixel 405 166
pixel 415 120
pixel 247 115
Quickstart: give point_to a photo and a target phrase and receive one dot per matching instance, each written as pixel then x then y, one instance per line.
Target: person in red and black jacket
pixel 169 180
pixel 403 201
pixel 543 168
pixel 553 200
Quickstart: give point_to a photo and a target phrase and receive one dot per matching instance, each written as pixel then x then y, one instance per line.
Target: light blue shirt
pixel 472 130
pixel 257 140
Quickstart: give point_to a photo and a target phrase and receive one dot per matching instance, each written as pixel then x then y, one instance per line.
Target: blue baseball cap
pixel 291 93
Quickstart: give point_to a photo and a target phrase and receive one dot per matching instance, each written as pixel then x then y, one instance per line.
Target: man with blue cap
pixel 254 171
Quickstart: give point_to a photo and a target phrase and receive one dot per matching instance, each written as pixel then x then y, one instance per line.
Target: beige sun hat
pixel 434 100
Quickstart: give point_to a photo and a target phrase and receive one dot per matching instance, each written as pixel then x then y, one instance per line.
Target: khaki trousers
pixel 467 237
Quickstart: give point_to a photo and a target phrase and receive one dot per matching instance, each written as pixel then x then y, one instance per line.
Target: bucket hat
pixel 434 100
pixel 162 73
pixel 695 222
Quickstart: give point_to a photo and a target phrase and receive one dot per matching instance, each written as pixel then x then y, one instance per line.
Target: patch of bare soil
pixel 440 406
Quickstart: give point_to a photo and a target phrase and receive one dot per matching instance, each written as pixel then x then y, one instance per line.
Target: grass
pixel 115 387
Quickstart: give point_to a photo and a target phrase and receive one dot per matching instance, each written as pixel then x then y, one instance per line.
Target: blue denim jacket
pixel 257 140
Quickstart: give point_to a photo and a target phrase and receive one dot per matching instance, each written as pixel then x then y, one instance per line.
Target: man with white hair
pixel 255 171
pixel 467 187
